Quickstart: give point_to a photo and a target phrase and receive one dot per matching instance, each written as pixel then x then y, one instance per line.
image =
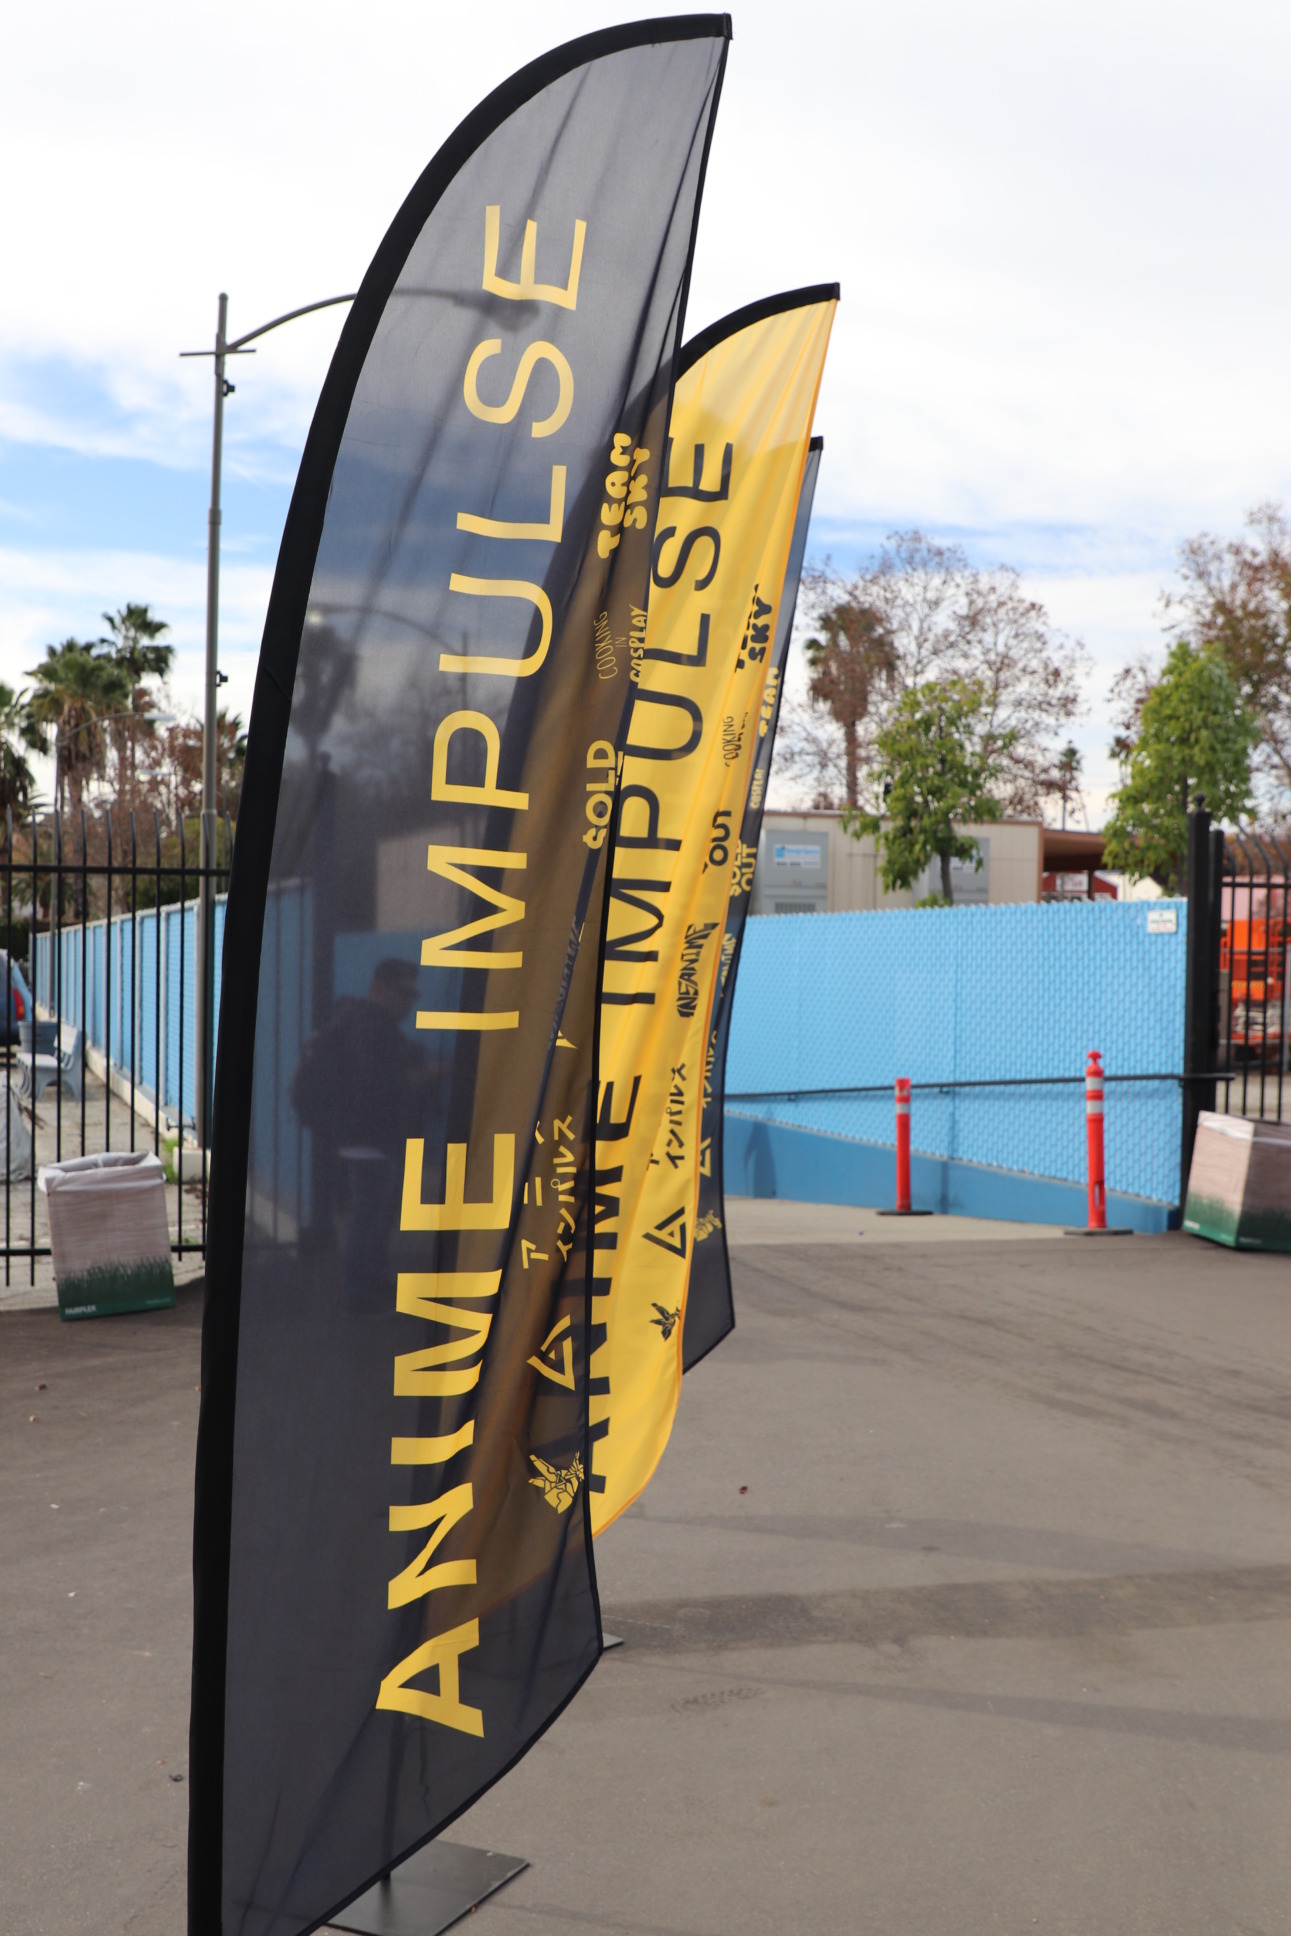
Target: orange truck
pixel 1253 953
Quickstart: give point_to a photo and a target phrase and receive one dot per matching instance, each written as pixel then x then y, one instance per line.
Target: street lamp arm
pixel 306 309
pixel 235 348
pixel 108 719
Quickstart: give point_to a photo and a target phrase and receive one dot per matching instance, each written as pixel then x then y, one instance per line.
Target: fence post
pixel 1201 962
pixel 1215 1023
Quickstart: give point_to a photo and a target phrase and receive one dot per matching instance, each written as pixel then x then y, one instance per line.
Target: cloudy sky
pixel 1060 232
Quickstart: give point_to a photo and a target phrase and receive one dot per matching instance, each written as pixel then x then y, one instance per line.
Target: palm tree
pixel 18 737
pixel 853 656
pixel 74 687
pixel 1063 779
pixel 135 648
pixel 135 632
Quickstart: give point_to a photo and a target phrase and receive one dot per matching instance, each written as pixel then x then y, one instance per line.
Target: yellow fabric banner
pixel 739 433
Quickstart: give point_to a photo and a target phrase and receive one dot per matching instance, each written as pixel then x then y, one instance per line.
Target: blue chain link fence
pixel 992 996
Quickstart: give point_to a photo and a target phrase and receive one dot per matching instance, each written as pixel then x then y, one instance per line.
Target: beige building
pixel 808 864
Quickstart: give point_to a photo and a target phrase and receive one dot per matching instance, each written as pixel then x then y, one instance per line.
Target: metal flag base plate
pixel 610 1640
pixel 905 1213
pixel 1120 1230
pixel 429 1892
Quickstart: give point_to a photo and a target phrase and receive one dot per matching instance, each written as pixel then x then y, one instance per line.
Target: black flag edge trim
pixel 755 312
pixel 814 448
pixel 245 910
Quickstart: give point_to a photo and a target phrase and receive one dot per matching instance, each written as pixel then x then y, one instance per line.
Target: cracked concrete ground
pixel 961 1603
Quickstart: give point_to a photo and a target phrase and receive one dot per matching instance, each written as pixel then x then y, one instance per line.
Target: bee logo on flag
pixel 666 1321
pixel 558 1485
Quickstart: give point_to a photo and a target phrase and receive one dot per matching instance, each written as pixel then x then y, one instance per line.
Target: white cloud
pixel 1059 235
pixel 46 597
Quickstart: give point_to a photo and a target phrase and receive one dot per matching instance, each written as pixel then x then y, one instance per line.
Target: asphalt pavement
pixel 961 1603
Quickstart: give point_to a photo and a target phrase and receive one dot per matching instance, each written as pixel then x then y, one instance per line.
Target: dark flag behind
pixel 710 1309
pixel 394 1590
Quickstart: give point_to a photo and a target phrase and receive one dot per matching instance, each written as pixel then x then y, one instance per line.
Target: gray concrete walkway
pixel 770 1220
pixel 961 1604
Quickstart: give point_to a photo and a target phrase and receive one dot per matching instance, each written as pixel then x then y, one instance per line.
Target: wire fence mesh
pixel 991 1012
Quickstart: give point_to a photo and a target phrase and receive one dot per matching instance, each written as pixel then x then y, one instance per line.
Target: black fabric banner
pixel 710 1308
pixel 394 1589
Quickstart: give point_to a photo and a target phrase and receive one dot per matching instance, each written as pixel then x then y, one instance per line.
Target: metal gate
pixel 1237 1034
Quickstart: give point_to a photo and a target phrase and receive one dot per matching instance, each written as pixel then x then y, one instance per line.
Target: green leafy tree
pixel 935 770
pixel 1187 734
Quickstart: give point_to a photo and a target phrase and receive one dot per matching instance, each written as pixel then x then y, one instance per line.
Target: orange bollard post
pixel 1094 1141
pixel 1096 1226
pixel 903 1146
pixel 904 1207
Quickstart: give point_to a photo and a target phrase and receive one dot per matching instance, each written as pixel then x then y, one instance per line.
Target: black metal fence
pixel 1253 1021
pixel 1237 1038
pixel 106 1021
pixel 108 1038
pixel 1237 1033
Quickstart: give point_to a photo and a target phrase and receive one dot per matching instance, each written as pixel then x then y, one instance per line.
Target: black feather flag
pixel 394 1590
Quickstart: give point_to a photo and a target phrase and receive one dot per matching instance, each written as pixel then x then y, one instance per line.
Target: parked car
pixel 21 1007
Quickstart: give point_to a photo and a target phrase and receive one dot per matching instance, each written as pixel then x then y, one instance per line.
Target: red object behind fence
pixel 903 1146
pixel 1094 1140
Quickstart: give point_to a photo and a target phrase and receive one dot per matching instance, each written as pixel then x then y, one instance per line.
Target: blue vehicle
pixel 21 1008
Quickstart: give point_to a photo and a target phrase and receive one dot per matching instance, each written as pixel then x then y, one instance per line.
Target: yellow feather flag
pixel 739 434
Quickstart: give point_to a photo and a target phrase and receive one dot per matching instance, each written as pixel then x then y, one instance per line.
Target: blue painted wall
pixel 964 994
pixel 108 984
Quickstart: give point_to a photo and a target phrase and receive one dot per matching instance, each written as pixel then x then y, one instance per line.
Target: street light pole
pixel 210 717
pixel 210 724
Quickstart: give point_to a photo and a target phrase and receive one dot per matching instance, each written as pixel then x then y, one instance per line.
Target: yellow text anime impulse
pixel 740 429
pixel 456 1308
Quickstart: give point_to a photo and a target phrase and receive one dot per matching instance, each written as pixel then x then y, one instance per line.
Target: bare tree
pixel 1030 682
pixel 811 752
pixel 923 613
pixel 1237 595
pixel 171 780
